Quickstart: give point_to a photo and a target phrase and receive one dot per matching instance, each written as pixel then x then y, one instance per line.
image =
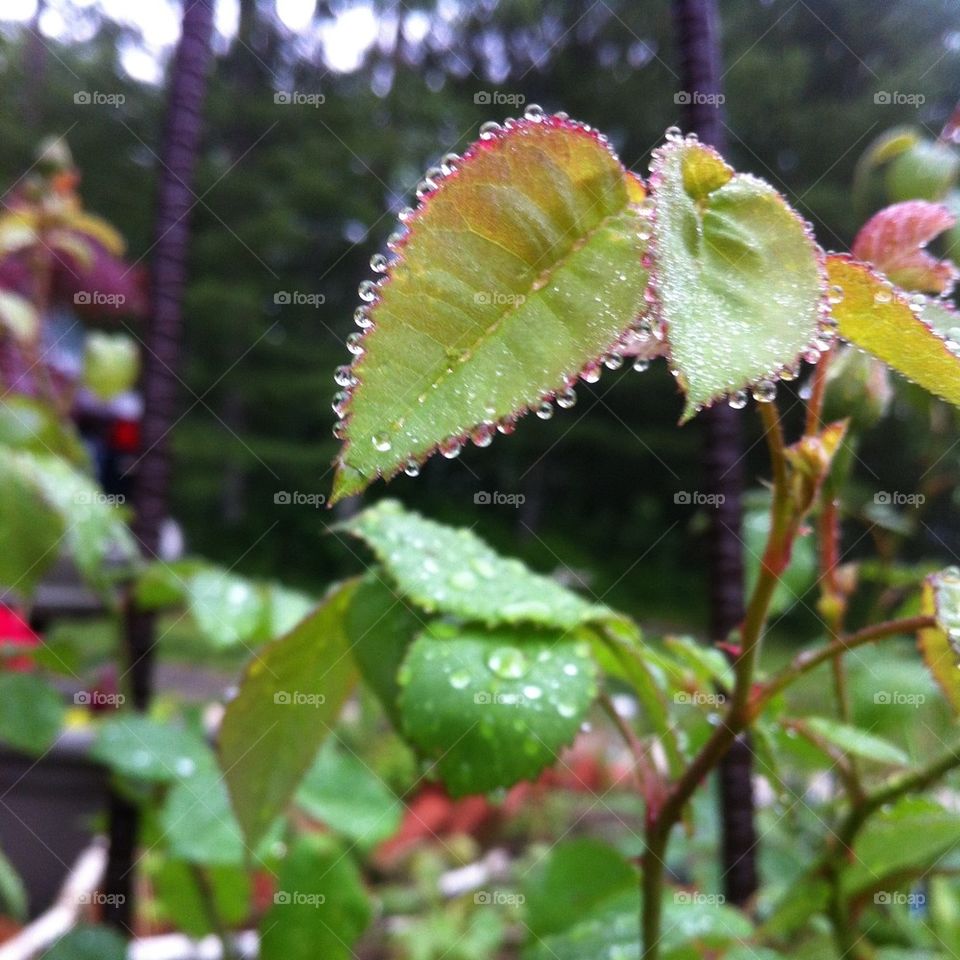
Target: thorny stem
pixel 739 713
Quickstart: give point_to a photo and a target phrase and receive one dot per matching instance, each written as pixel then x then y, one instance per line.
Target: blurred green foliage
pixel 293 199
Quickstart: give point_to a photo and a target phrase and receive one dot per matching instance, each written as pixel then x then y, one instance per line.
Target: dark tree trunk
pixel 696 27
pixel 178 153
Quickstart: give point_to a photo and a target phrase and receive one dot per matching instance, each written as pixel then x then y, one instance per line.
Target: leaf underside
pixel 519 270
pixel 737 274
pixel 289 699
pixel 876 317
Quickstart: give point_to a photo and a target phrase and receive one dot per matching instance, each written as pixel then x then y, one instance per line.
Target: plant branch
pixel 739 713
pixel 810 659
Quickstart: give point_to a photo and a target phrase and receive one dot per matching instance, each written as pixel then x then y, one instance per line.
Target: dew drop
pixel 534 112
pixel 381 442
pixel 545 410
pixel 483 435
pixel 379 263
pixel 591 373
pixel 765 391
pixel 570 669
pixel 507 425
pixel 340 401
pixel 411 468
pixel 450 448
pixel 361 317
pixel 507 662
pixel 640 365
pixel 613 361
pixel 883 295
pixel 405 214
pixel 836 295
pixel 566 710
pixel 567 398
pixel 343 377
pixel 738 400
pixel 355 343
pixel 367 291
pixel 489 130
pixel 811 355
pixel 450 162
pixel 339 430
pixel 425 186
pixel 395 239
pixel 673 134
pixel 459 679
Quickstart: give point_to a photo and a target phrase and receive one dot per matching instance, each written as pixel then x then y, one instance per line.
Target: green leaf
pixel 96 530
pixel 319 909
pixel 940 645
pixel 855 741
pixel 89 943
pixel 381 626
pixel 693 927
pixel 908 836
pixel 145 749
pixel 924 172
pixel 876 317
pixel 228 609
pixel 571 881
pixel 492 707
pixel 13 894
pixel 451 570
pixel 289 698
pixel 343 792
pixel 28 424
pixel 111 362
pixel 31 713
pixel 197 822
pixel 738 276
pixel 30 529
pixel 520 270
pixel 180 899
